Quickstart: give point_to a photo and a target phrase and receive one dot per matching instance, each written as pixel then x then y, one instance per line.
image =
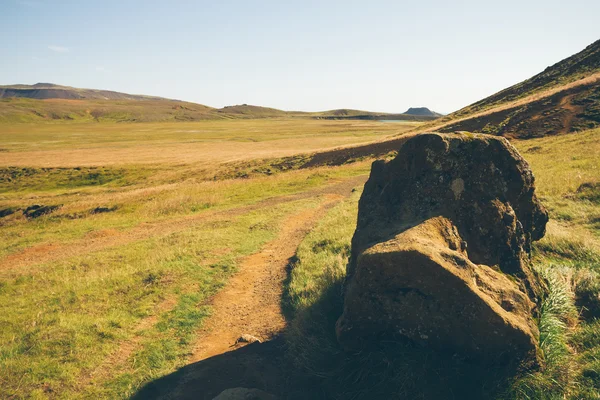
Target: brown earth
pixel 250 304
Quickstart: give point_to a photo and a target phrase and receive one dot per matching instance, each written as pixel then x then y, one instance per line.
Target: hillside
pixel 563 98
pixel 571 69
pixel 344 113
pixel 43 91
pixel 48 102
pixel 96 110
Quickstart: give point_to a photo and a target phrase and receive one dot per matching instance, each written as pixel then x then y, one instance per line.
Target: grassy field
pixel 567 169
pixel 204 143
pixel 108 289
pixel 94 304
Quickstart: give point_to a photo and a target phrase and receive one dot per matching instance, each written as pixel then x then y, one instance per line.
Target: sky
pixel 374 55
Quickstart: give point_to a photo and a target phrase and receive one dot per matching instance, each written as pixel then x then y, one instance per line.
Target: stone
pixel 440 254
pixel 479 182
pixel 246 338
pixel 36 210
pixel 421 285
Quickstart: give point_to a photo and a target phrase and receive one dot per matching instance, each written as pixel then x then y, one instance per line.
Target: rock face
pixel 440 252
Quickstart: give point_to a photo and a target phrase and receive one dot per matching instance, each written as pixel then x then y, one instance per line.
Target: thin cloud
pixel 59 49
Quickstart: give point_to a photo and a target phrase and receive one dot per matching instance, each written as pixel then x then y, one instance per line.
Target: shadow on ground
pixel 307 363
pixel 256 365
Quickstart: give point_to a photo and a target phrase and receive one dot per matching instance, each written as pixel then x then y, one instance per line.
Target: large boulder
pixel 440 252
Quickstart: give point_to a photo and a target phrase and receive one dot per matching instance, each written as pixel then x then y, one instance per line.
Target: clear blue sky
pixel 293 55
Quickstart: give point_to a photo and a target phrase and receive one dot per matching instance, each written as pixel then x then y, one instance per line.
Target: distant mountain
pixel 422 111
pixel 245 110
pixel 50 102
pixel 43 91
pixel 563 98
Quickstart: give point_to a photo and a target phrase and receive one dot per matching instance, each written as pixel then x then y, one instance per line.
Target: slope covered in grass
pixel 563 98
pixel 573 68
pixel 46 102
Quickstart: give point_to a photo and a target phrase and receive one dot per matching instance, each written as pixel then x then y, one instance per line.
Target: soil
pixel 249 304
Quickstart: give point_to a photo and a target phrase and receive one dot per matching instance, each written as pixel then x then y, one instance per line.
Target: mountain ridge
pixel 48 101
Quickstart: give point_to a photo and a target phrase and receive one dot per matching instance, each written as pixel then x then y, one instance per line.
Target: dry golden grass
pixel 203 142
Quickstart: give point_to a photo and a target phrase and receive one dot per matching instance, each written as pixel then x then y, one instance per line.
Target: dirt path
pixel 48 252
pixel 571 111
pixel 250 303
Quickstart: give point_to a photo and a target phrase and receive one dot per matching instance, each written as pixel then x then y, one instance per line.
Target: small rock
pixel 246 338
pixel 5 212
pixel 100 210
pixel 37 210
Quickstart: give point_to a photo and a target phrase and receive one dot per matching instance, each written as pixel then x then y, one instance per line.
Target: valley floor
pixel 145 275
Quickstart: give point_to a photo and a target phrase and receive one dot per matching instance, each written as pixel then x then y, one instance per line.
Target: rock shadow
pixel 257 365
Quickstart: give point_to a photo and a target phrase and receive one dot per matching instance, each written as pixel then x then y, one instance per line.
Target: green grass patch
pixel 62 321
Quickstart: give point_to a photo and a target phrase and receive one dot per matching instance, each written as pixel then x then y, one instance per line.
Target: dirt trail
pixel 251 301
pixel 48 252
pixel 249 304
pixel 571 111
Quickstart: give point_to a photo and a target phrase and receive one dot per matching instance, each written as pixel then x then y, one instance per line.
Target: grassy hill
pixel 576 67
pixel 563 98
pixel 51 91
pixel 46 102
pixel 96 110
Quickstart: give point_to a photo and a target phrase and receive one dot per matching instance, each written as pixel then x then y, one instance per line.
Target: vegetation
pixel 105 269
pixel 567 169
pixel 114 239
pixel 95 303
pixel 198 145
pixel 44 102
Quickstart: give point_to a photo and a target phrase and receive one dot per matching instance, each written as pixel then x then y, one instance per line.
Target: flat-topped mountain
pixel 43 91
pixel 422 111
